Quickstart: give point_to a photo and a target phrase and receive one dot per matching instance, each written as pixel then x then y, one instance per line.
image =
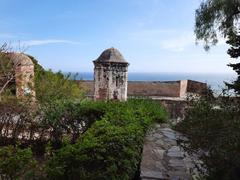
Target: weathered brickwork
pixel 110 76
pixel 24 75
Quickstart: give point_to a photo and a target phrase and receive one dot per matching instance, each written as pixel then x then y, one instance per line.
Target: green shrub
pixel 213 128
pixel 111 148
pixel 16 163
pixel 52 86
pixel 69 118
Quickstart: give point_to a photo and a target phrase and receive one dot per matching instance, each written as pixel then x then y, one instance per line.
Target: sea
pixel 214 80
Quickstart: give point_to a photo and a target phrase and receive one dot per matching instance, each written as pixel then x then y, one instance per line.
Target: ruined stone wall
pixel 22 69
pixel 24 78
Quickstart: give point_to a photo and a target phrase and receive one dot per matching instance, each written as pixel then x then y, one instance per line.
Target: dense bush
pixel 16 163
pixel 77 140
pixel 69 118
pixel 40 133
pixel 111 148
pixel 17 122
pixel 52 86
pixel 20 124
pixel 213 130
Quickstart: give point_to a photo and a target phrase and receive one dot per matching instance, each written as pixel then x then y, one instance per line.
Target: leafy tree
pixel 212 127
pixel 216 16
pixel 234 52
pixel 220 17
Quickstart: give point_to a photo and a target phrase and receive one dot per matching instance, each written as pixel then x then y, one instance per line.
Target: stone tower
pixel 110 76
pixel 24 76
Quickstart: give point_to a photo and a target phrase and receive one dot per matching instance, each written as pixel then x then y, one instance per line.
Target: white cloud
pixel 48 41
pixel 178 43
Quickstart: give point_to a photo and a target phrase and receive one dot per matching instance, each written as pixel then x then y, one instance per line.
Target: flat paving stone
pixel 157 135
pixel 175 151
pixel 152 174
pixel 162 158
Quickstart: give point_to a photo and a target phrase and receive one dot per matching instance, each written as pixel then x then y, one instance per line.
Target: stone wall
pixel 23 71
pixel 171 94
pixel 183 88
pixel 110 81
pixel 176 108
pixel 110 76
pixel 24 76
pixel 152 89
pixel 24 81
pixel 196 87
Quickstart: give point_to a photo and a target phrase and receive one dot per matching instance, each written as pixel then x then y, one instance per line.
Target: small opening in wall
pixel 117 81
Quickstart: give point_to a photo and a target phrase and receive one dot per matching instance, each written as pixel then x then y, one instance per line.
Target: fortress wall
pixel 153 88
pixel 183 88
pixel 175 108
pixel 156 88
pixel 196 87
pixel 171 94
pixel 142 88
pixel 88 86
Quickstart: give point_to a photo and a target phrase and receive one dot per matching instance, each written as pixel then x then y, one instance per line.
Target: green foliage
pixel 234 52
pixel 216 16
pixel 222 17
pixel 52 86
pixel 55 86
pixel 111 148
pixel 69 118
pixel 16 163
pixel 7 87
pixel 6 64
pixel 213 130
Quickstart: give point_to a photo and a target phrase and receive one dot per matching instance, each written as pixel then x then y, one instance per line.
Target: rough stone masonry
pixel 110 76
pixel 23 71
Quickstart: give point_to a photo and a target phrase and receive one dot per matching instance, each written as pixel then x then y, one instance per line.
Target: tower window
pixel 117 81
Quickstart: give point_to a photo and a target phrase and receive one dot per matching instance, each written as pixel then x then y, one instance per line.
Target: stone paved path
pixel 162 157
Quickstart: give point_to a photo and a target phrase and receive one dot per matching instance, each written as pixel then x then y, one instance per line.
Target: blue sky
pixel 153 35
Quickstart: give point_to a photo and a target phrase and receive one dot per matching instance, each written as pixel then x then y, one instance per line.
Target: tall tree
pixel 216 18
pixel 234 52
